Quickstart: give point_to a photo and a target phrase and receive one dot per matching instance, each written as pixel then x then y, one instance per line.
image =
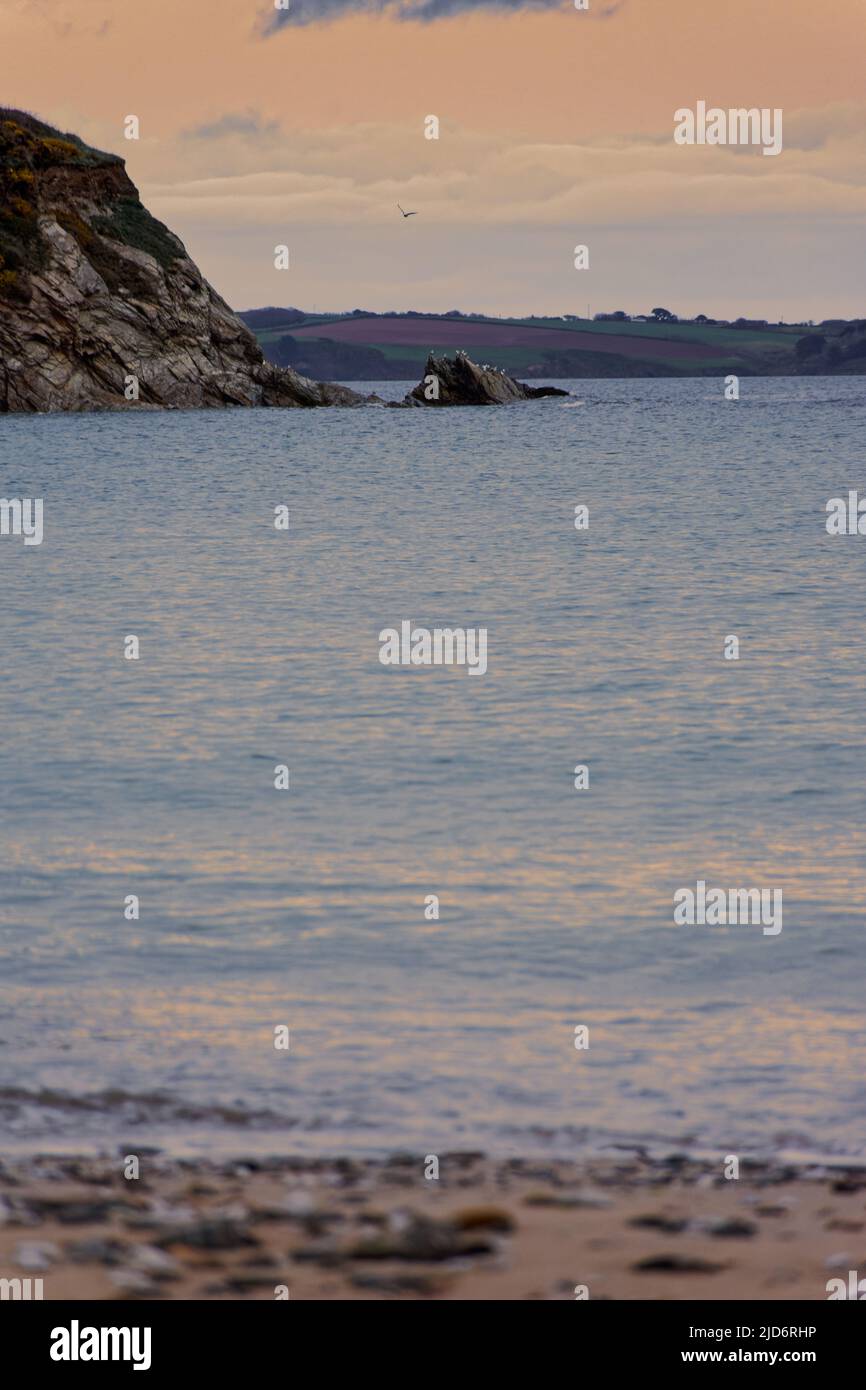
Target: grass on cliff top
pixel 24 139
pixel 27 148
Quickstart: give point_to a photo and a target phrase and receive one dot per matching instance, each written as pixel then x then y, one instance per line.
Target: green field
pixel 545 347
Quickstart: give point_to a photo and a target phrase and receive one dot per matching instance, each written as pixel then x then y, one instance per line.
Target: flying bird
pixel 407 214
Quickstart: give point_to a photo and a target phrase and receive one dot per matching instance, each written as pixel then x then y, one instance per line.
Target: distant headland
pixel 362 345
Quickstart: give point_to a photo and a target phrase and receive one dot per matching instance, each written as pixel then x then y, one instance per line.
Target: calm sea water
pixel 306 908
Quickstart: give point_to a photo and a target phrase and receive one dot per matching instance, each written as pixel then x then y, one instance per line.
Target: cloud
pixel 97 22
pixel 354 175
pixel 247 124
pixel 302 12
pixel 816 128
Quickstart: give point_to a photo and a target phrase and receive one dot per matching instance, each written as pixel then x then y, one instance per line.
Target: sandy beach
pixel 626 1227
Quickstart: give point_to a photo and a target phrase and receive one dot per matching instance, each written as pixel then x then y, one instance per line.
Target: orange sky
pixel 556 128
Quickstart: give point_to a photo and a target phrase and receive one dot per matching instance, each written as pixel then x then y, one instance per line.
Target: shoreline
pixel 617 1227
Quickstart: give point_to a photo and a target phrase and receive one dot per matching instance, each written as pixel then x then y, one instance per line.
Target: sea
pixel 197 961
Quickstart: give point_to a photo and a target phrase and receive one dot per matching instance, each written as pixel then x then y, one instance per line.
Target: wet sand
pixel 624 1227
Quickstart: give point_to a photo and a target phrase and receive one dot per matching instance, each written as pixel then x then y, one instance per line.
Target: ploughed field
pixel 459 333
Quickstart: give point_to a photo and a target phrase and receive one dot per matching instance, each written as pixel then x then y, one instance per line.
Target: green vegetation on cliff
pixel 34 158
pixel 130 222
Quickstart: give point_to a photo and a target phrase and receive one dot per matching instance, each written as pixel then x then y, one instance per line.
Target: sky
pixel 305 128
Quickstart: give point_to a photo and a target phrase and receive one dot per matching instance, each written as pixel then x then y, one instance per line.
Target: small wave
pixel 135 1108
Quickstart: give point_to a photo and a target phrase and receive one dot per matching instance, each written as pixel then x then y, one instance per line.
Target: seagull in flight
pixel 407 214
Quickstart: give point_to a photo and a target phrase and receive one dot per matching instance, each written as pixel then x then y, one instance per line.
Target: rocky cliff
pixel 94 292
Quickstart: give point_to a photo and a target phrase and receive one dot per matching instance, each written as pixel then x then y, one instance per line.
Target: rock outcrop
pixel 460 381
pixel 98 300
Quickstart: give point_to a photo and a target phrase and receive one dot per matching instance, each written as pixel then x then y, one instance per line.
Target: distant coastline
pixel 367 346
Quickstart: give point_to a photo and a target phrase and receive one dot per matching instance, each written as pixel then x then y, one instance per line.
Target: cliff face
pixel 94 291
